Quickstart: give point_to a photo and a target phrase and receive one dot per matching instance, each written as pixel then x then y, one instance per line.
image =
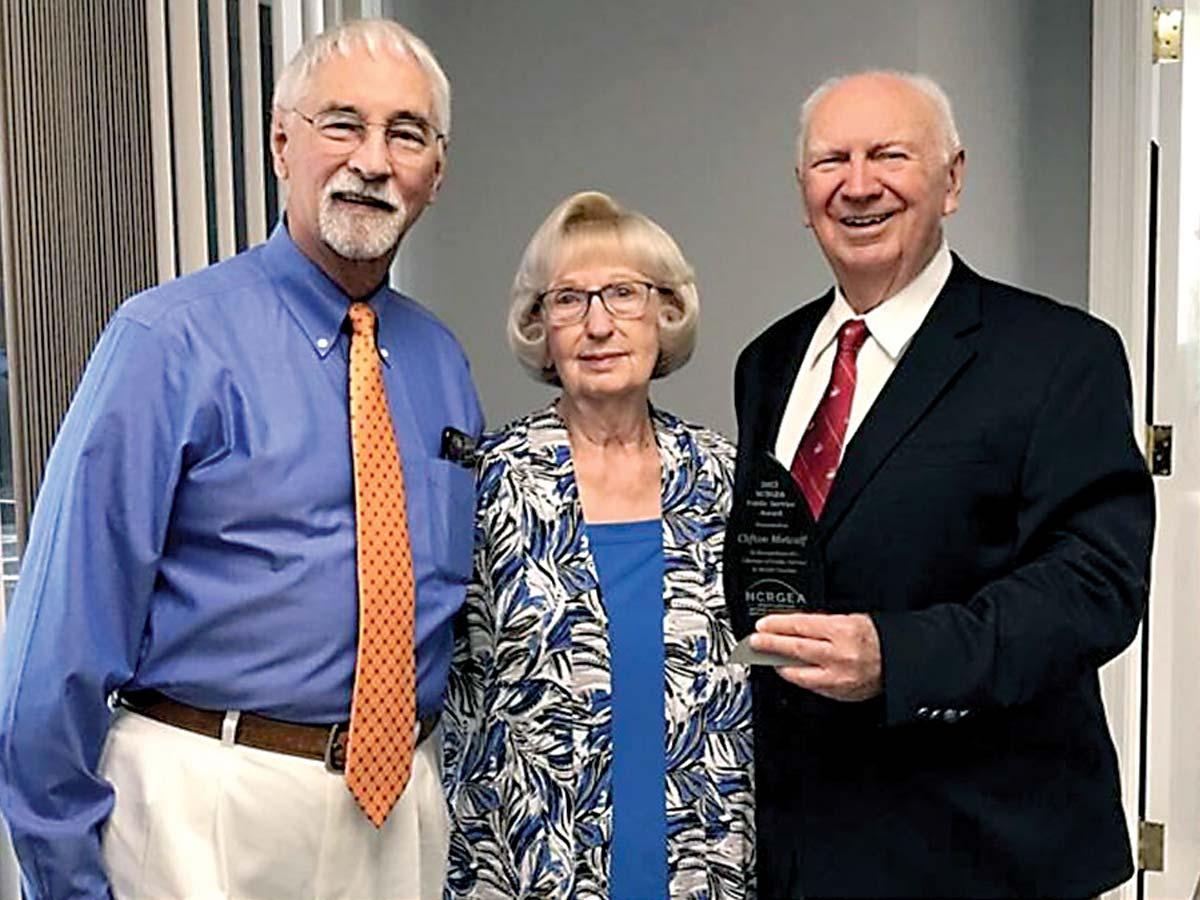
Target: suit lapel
pixel 940 349
pixel 776 387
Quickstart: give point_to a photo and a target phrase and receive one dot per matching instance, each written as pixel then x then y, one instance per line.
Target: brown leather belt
pixel 324 742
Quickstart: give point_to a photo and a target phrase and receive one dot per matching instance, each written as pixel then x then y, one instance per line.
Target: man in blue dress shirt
pixel 184 631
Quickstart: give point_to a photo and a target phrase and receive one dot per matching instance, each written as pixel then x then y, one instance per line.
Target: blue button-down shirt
pixel 195 531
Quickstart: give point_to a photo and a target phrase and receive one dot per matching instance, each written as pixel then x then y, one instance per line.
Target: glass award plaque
pixel 771 562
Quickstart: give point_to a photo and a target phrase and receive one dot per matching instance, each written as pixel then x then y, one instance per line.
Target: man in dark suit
pixel 983 520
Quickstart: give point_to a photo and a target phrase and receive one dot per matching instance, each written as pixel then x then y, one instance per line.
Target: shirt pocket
pixel 453 504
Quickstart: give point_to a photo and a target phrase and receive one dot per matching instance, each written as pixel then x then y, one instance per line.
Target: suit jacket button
pixel 950 716
pixel 923 712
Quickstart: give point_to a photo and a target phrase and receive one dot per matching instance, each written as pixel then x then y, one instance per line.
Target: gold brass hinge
pixel 1168 34
pixel 1158 449
pixel 1151 838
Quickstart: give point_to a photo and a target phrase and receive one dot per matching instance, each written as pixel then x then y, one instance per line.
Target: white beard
pixel 360 232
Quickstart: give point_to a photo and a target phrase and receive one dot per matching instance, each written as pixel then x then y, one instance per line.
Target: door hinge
pixel 1151 839
pixel 1168 34
pixel 1158 449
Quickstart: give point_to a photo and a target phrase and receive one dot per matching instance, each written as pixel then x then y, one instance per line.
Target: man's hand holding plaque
pixel 776 591
pixel 836 656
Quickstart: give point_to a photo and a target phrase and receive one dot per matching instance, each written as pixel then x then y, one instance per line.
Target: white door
pixel 1172 706
pixel 1146 281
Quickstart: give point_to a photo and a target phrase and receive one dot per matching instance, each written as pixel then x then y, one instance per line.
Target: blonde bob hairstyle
pixel 376 36
pixel 587 223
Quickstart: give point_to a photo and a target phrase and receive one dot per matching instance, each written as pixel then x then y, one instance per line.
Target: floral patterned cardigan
pixel 528 718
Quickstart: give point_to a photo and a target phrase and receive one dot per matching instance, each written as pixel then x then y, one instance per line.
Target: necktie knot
pixel 362 319
pixel 851 337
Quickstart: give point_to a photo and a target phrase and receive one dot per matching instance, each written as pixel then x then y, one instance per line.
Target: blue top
pixel 629 561
pixel 195 531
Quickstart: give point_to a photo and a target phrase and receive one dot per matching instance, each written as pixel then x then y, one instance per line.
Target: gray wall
pixel 685 109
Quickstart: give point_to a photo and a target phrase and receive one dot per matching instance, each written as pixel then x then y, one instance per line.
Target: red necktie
pixel 820 450
pixel 383 711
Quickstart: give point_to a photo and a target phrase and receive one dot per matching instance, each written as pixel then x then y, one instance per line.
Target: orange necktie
pixel 383 714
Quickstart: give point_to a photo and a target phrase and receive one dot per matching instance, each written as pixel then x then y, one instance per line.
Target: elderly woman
pixel 598 740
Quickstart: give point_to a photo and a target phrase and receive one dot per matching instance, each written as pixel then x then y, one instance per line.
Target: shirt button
pixel 322 343
pixel 383 351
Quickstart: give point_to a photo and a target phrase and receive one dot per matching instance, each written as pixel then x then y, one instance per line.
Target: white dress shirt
pixel 890 325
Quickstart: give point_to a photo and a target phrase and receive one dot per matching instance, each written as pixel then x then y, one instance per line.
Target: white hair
pixel 923 84
pixel 375 36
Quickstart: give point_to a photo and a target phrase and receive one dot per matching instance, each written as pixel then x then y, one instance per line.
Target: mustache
pixel 347 186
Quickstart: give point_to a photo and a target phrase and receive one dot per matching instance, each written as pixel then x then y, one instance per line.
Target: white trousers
pixel 196 818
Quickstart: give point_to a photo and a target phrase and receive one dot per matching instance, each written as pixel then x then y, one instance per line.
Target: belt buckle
pixel 335 750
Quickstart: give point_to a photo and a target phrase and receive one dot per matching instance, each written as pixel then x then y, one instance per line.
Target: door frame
pixel 1123 122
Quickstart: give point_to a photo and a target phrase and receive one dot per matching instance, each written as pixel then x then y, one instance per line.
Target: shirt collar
pixel 894 322
pixel 315 301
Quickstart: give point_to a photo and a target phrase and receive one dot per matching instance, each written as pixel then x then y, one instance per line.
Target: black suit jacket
pixel 994 516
